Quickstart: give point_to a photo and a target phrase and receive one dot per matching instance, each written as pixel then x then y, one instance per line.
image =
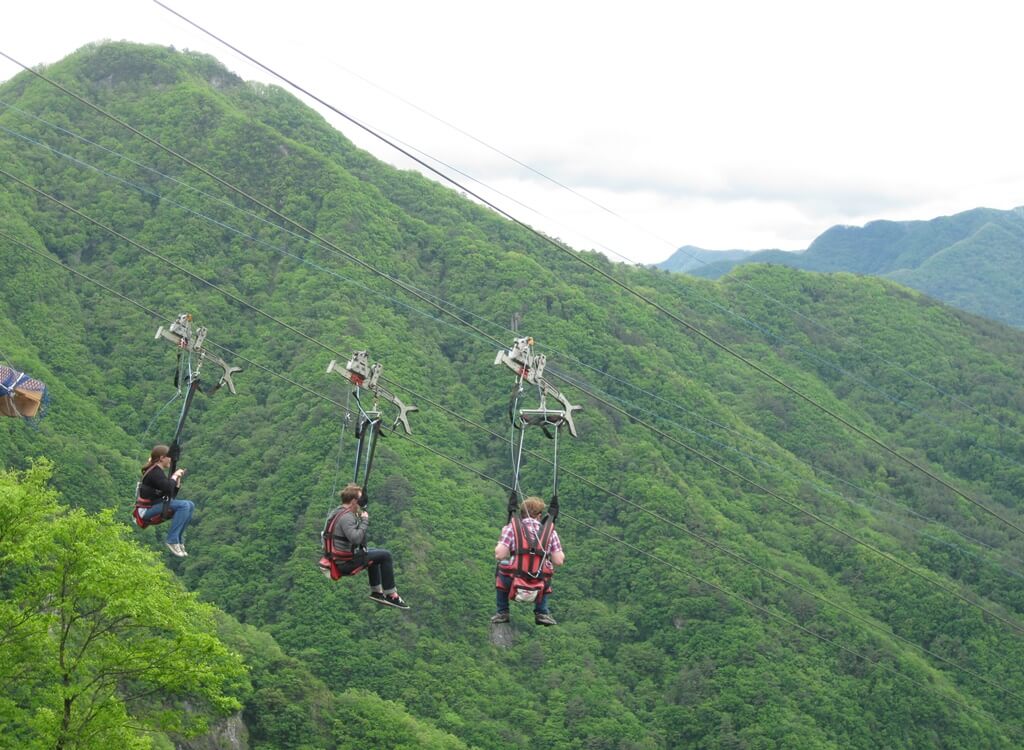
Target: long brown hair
pixel 158 452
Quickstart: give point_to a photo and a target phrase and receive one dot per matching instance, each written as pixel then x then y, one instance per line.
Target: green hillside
pixel 801 589
pixel 973 260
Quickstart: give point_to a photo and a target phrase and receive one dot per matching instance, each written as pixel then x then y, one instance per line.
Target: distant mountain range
pixel 973 260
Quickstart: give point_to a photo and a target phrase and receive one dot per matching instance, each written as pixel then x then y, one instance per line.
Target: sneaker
pixel 177 550
pixel 499 618
pixel 392 600
pixel 183 552
pixel 543 618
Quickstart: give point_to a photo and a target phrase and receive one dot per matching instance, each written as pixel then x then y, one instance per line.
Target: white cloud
pixel 725 125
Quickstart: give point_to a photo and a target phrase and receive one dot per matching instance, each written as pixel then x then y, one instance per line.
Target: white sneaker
pixel 177 550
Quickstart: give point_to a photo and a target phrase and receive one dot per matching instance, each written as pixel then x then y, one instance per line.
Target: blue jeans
pixel 540 606
pixel 182 515
pixel 382 572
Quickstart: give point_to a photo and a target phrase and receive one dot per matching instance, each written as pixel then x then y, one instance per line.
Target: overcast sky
pixel 725 124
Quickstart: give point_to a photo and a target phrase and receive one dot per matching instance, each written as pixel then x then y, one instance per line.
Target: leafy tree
pixel 100 644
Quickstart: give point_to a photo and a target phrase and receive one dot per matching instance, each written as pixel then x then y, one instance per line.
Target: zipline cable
pixel 512 218
pixel 668 522
pixel 240 301
pixel 285 252
pixel 750 457
pixel 318 267
pixel 881 553
pixel 558 246
pixel 433 304
pixel 663 240
pixel 222 182
pixel 614 407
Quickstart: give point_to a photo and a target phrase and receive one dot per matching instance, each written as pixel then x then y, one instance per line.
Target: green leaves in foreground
pixel 99 644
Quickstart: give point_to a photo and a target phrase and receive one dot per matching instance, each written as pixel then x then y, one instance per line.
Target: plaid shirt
pixel 508 537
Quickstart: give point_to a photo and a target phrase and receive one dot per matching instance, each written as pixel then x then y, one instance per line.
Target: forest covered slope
pixel 743 571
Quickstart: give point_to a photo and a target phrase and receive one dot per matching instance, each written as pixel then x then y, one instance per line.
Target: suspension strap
pixel 175 452
pixel 366 442
pixel 553 507
pixel 345 421
pixel 513 505
pixel 368 432
pixel 517 460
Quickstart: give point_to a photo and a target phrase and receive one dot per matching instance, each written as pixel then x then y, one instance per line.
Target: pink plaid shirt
pixel 508 537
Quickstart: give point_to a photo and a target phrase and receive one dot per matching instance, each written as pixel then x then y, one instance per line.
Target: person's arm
pixel 557 553
pixel 503 550
pixel 353 528
pixel 158 483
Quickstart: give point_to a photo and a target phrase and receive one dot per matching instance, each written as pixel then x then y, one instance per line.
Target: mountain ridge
pixel 914 253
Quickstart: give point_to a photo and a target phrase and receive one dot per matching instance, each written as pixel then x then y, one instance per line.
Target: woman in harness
pixel 157 499
pixel 349 536
pixel 529 528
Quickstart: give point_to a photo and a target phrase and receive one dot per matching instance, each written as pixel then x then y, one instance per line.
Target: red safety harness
pixel 336 563
pixel 529 569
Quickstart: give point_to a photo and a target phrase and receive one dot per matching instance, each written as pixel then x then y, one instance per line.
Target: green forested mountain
pixel 973 260
pixel 800 589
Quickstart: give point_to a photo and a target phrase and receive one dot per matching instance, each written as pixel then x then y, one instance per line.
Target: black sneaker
pixel 392 600
pixel 543 618
pixel 377 596
pixel 500 617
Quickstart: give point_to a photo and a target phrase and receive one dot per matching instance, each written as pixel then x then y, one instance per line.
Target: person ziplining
pixel 343 537
pixel 529 547
pixel 156 494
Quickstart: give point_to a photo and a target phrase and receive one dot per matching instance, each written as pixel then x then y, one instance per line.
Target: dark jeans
pixel 382 572
pixel 540 605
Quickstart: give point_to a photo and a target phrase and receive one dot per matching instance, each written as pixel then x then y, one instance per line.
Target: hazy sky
pixel 725 124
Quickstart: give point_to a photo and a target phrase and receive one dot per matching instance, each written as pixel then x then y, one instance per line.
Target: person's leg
pixel 541 614
pixel 383 567
pixel 373 573
pixel 501 598
pixel 182 515
pixel 501 595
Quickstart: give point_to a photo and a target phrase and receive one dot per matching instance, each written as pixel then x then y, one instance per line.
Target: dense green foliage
pixel 99 644
pixel 971 260
pixel 691 598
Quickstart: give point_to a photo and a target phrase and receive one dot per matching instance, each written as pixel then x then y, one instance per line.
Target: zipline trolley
pixel 366 376
pixel 529 369
pixel 192 356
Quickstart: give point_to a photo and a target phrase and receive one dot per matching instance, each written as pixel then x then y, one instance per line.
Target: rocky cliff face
pixel 228 734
